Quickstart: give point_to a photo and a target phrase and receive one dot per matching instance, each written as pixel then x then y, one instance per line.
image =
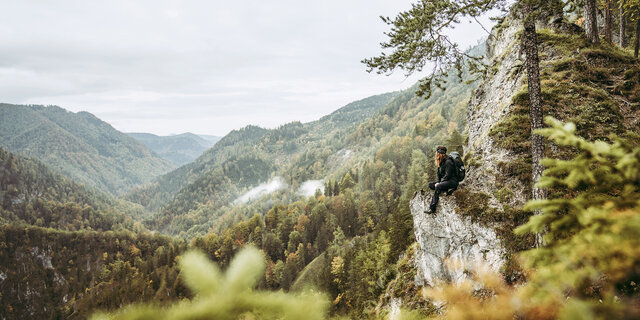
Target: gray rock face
pixel 491 103
pixel 449 243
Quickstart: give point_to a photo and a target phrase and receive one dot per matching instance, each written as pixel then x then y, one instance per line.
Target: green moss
pixel 471 160
pixel 476 206
pixel 520 169
pixel 503 195
pixel 513 132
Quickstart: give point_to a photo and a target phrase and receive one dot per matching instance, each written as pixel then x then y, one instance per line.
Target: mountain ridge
pixel 78 145
pixel 180 149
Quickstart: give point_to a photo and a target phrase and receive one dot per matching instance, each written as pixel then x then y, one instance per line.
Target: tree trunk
pixel 532 63
pixel 622 39
pixel 608 22
pixel 636 44
pixel 591 21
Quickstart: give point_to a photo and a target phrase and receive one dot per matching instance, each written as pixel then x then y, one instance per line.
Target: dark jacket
pixel 447 170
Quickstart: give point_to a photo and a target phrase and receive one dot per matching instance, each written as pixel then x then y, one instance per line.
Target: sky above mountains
pixel 200 66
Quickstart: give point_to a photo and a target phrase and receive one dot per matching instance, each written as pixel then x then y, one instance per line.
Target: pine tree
pixel 608 21
pixel 229 295
pixel 417 176
pixel 591 20
pixel 631 9
pixel 532 63
pixel 455 141
pixel 347 182
pixel 400 228
pixel 418 39
pixel 622 33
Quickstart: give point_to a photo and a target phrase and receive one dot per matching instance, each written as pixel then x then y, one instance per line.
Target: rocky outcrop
pixel 450 244
pixel 449 236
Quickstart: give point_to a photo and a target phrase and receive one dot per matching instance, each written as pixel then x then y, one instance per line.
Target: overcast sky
pixel 205 67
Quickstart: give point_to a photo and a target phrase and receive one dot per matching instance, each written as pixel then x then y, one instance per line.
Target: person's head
pixel 441 154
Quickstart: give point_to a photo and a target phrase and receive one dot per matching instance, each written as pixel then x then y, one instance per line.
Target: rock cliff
pixel 446 239
pixel 451 242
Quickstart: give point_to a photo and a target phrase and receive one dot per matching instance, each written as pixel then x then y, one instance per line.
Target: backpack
pixel 457 160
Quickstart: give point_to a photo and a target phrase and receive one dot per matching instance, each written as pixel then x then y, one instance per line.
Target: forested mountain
pixel 53 274
pixel 80 146
pixel 66 249
pixel 245 141
pixel 30 193
pixel 180 149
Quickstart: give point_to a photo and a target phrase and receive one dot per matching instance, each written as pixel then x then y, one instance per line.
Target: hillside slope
pixel 52 274
pixel 80 146
pixel 242 159
pixel 180 149
pixel 31 193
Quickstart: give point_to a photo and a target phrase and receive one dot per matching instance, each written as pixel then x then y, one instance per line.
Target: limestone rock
pixel 447 236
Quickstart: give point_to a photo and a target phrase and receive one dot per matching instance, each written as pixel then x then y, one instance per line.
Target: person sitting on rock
pixel 447 179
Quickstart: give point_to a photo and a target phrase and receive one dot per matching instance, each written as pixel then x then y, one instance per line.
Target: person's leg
pixel 441 187
pixel 434 199
pixel 452 190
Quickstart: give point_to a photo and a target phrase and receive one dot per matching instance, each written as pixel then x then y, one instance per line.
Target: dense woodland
pixel 80 146
pixel 67 250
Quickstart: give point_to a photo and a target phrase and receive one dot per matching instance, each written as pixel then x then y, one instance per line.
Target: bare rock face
pixel 450 244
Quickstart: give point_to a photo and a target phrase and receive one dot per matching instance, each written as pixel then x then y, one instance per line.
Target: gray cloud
pixel 168 66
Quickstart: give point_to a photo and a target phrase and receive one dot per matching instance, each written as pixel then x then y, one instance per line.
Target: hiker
pixel 447 177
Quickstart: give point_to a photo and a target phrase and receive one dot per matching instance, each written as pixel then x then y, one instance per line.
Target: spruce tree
pixel 631 9
pixel 455 141
pixel 622 33
pixel 591 20
pixel 608 21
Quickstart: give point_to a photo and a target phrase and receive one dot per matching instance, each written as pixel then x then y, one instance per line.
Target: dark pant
pixel 442 187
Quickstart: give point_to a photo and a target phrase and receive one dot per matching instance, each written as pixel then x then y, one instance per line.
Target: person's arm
pixel 439 171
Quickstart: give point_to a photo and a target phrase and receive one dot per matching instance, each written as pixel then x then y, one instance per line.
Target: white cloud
pixel 266 188
pixel 309 187
pixel 148 65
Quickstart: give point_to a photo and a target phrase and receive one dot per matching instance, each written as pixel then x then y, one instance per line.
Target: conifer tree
pixel 622 33
pixel 591 20
pixel 417 176
pixel 608 20
pixel 228 296
pixel 455 141
pixel 631 9
pixel 347 182
pixel 418 40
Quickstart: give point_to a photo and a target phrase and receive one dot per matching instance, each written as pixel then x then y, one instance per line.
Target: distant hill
pixel 180 149
pixel 212 139
pixel 80 146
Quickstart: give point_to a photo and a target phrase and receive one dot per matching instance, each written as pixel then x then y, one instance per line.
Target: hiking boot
pixel 450 192
pixel 432 210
